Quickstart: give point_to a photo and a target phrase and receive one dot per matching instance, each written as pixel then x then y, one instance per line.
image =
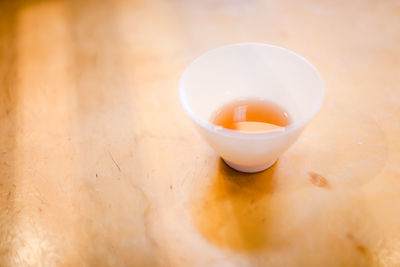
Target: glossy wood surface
pixel 99 165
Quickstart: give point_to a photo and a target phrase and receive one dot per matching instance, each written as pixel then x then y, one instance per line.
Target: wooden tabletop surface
pixel 100 166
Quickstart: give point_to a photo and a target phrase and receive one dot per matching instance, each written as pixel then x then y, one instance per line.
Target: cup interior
pixel 251 70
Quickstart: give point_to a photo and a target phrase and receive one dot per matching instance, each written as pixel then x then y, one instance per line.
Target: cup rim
pixel 258 135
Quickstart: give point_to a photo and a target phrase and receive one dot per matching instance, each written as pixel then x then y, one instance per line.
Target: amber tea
pixel 251 115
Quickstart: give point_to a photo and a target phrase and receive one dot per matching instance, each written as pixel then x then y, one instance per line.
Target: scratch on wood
pixel 361 248
pixel 146 217
pixel 112 158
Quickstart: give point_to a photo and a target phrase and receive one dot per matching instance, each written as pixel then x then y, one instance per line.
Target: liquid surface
pixel 251 115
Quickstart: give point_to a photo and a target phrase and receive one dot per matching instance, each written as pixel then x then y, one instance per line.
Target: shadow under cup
pixel 250 70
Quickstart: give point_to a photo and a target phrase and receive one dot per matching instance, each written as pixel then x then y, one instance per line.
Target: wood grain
pixel 99 165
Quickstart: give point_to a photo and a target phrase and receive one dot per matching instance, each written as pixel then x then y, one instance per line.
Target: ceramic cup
pixel 250 70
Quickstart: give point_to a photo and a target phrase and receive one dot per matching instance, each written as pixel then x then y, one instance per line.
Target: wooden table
pixel 99 165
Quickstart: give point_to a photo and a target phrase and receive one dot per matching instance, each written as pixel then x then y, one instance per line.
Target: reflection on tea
pixel 251 115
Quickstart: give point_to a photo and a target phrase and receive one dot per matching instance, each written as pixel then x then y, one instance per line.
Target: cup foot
pixel 249 169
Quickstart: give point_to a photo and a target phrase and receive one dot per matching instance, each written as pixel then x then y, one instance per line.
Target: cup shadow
pixel 235 211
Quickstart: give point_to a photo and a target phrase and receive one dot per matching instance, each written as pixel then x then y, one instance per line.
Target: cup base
pixel 249 169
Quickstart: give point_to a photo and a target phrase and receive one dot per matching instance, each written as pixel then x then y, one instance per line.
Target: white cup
pixel 250 70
